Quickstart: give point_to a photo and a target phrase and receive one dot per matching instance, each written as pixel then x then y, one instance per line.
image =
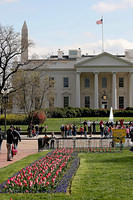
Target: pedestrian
pixel 36 130
pixel 46 141
pixel 10 139
pixel 1 139
pixel 29 129
pixel 70 130
pixel 17 138
pixel 74 130
pixel 62 128
pixel 66 131
pixel 33 131
pixel 52 140
pixel 102 130
pixel 89 127
pixel 94 127
pixel 40 130
pixel 81 130
pixel 45 129
pixel 85 130
pixel 127 131
pixel 85 123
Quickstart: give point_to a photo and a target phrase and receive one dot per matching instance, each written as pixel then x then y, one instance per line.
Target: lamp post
pixel 5 101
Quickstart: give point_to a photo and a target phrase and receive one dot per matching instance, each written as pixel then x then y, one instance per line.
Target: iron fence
pixel 89 144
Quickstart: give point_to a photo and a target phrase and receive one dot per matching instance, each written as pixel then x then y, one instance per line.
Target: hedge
pixel 86 112
pixel 67 113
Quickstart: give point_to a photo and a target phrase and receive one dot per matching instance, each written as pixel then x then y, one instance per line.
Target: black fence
pixel 89 144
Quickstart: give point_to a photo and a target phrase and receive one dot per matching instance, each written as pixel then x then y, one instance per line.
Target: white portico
pixel 110 81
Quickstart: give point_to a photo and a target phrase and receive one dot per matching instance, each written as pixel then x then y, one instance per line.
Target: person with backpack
pixel 17 138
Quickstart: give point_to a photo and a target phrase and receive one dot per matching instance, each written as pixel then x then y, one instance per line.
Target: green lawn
pixel 54 124
pixel 101 176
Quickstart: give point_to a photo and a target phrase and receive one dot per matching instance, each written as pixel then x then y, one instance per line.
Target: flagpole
pixel 102 36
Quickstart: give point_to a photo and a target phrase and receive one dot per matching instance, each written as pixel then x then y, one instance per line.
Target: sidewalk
pixel 25 148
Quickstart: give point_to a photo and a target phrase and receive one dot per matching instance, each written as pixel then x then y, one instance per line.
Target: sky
pixel 71 24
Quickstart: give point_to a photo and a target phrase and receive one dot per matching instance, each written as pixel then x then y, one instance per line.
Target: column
pixel 78 89
pixel 114 91
pixel 96 90
pixel 131 90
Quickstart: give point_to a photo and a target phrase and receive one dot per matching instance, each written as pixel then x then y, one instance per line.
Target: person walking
pixel 29 129
pixel 10 139
pixel 36 130
pixel 46 141
pixel 85 130
pixel 94 127
pixel 81 130
pixel 17 138
pixel 52 140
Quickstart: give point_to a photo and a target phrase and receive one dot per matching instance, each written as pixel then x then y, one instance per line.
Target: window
pixel 66 82
pixel 121 102
pixel 51 82
pixel 87 101
pixel 51 102
pixel 104 82
pixel 87 82
pixel 121 82
pixel 66 101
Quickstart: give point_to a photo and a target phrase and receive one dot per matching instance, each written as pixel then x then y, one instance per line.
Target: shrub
pixel 37 117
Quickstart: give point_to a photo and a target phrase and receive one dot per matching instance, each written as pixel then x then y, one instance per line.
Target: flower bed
pixel 65 181
pixel 43 175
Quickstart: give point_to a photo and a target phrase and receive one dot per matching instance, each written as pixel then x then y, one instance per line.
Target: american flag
pixel 99 21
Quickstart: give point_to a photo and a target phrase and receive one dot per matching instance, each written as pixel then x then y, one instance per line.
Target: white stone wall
pixel 60 91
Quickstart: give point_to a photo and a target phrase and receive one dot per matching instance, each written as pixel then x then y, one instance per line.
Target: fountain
pixel 111 117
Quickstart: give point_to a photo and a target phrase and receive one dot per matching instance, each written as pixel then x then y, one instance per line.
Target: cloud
pixel 117 46
pixel 8 1
pixel 110 6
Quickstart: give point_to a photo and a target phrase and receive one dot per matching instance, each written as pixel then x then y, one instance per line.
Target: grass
pixel 101 176
pixel 54 124
pixel 104 176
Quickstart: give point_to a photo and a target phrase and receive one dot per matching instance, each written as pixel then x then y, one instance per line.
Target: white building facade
pixel 96 81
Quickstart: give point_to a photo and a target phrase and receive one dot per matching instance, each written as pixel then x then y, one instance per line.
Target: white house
pixel 95 81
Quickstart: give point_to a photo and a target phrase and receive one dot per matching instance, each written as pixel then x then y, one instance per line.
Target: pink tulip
pixel 47 183
pixel 31 183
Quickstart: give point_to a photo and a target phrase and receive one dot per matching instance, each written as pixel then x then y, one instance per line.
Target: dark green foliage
pixel 76 112
pixel 66 113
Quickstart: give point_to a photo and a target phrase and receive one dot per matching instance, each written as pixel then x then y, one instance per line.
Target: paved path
pixel 25 148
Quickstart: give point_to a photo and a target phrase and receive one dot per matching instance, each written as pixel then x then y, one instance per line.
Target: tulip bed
pixel 44 175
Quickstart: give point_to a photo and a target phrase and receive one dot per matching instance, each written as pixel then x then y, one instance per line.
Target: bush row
pixel 67 113
pixel 14 119
pixel 86 112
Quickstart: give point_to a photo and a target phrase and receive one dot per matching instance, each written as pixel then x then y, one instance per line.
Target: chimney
pixel 129 54
pixel 60 54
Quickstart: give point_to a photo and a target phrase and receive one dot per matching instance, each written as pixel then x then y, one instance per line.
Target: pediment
pixel 104 59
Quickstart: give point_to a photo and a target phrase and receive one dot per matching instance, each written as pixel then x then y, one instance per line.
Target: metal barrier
pixel 91 144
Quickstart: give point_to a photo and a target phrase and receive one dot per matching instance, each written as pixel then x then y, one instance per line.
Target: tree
pixel 10 51
pixel 33 90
